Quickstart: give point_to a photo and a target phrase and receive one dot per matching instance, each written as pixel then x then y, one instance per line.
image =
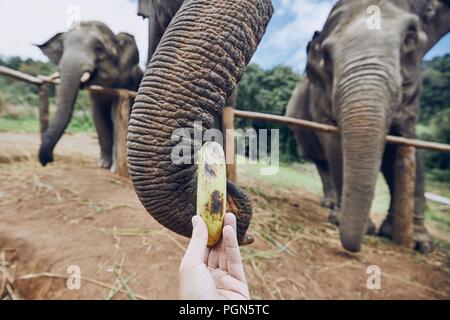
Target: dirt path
pixel 72 213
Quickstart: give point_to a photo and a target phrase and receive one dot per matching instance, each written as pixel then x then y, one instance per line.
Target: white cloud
pixel 305 17
pixel 24 22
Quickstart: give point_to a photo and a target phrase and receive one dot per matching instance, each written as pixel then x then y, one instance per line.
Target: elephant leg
pixel 333 154
pixel 113 111
pixel 387 168
pixel 101 109
pixel 423 240
pixel 334 157
pixel 329 191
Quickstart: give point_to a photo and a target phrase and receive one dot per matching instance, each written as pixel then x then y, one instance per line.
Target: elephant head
pixel 367 60
pixel 87 55
pixel 196 66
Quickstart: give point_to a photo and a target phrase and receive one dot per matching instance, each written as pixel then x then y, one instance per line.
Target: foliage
pixel 439 163
pixel 435 95
pixel 269 91
pixel 260 90
pixel 435 114
pixel 19 100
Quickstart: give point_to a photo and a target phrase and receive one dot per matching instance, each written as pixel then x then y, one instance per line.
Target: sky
pixel 27 22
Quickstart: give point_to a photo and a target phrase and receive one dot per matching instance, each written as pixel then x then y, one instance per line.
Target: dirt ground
pixel 72 213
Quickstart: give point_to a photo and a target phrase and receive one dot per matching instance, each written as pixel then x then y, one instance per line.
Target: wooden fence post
pixel 404 186
pixel 229 142
pixel 43 107
pixel 122 115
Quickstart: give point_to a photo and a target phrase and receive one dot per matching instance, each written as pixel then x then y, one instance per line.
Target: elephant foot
pixel 104 162
pixel 423 242
pixel 386 229
pixel 371 229
pixel 334 219
pixel 113 168
pixel 327 203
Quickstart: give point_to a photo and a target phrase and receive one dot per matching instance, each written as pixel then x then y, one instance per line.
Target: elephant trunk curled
pixel 198 63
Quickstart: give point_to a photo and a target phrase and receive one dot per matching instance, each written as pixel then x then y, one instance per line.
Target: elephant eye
pixel 411 38
pixel 99 48
pixel 327 60
pixel 327 57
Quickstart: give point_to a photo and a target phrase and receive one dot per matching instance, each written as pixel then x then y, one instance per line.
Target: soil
pixel 72 213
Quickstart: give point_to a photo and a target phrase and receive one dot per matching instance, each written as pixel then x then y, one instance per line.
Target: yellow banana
pixel 212 189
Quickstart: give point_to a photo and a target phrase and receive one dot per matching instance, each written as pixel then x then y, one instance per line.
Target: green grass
pixel 80 122
pixel 31 125
pixel 28 125
pixel 305 176
pixel 288 176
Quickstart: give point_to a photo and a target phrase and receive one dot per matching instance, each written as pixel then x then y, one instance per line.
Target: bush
pixel 269 91
pixel 435 95
pixel 2 104
pixel 438 164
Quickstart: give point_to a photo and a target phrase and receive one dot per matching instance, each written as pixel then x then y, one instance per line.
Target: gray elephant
pixel 90 55
pixel 195 68
pixel 363 75
pixel 159 14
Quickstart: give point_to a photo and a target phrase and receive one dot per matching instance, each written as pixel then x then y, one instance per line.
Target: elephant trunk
pixel 364 103
pixel 197 65
pixel 73 71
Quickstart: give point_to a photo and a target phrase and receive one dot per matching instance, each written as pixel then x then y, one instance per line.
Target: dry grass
pixel 281 225
pixel 8 290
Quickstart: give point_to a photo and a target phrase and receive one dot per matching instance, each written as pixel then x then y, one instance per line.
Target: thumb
pixel 196 250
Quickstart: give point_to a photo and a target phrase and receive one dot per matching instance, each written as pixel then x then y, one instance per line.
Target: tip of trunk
pixel 45 154
pixel 350 244
pixel 352 233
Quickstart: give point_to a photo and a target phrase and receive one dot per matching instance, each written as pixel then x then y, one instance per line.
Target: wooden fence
pixel 405 163
pixel 122 114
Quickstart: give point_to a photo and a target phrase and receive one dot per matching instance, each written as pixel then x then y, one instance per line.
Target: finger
pixel 196 250
pixel 225 281
pixel 207 254
pixel 213 259
pixel 222 259
pixel 233 255
pixel 230 220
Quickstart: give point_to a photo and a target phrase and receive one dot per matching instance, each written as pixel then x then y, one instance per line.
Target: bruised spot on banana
pixel 212 189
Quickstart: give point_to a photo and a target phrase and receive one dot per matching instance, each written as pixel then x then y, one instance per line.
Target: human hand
pixel 213 273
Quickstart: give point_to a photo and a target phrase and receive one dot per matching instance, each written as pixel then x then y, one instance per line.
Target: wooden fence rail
pixel 283 120
pixel 404 178
pixel 121 112
pixel 419 144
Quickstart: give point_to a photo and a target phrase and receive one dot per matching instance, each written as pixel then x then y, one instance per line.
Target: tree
pixel 269 91
pixel 438 164
pixel 435 87
pixel 435 114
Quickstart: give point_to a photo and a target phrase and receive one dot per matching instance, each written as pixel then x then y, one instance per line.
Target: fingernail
pixel 194 221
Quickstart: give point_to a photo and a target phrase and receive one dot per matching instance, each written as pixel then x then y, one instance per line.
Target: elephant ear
pixel 129 53
pixel 53 48
pixel 430 9
pixel 315 62
pixel 435 17
pixel 131 72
